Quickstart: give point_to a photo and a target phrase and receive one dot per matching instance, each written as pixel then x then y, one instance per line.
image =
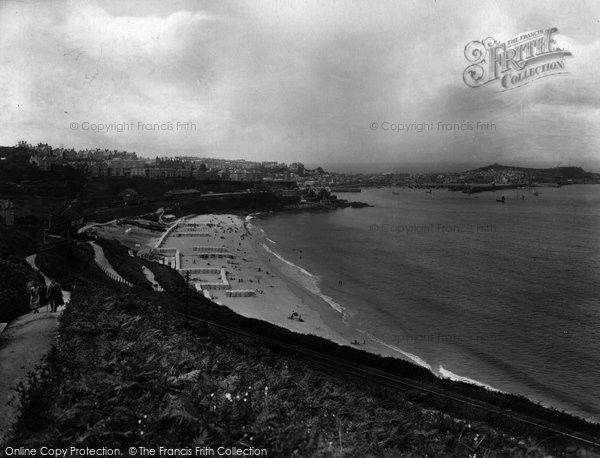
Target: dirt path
pixel 31 261
pixel 25 342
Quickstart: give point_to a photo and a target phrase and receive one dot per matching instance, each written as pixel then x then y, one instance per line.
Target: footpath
pixel 23 344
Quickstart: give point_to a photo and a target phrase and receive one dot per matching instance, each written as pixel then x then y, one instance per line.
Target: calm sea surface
pixel 507 295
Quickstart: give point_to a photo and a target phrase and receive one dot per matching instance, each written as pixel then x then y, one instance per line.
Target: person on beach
pixel 34 299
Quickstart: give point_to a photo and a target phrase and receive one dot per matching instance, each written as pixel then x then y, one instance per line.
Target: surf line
pixel 413 358
pixel 314 279
pixel 445 373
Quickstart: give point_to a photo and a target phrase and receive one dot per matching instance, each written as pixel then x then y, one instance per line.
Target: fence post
pixel 187 291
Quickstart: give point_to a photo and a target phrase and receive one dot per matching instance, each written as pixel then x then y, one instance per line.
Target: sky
pixel 320 82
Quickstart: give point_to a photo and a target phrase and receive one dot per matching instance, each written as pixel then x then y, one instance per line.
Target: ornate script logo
pixel 517 62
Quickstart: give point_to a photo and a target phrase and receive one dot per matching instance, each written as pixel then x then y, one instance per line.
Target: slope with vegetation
pixel 124 372
pixel 123 358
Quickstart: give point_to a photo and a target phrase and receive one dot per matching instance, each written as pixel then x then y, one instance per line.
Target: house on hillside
pixel 98 168
pixel 126 168
pixel 44 162
pixel 131 197
pixel 44 149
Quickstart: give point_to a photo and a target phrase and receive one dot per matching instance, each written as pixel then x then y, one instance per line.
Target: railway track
pixel 390 381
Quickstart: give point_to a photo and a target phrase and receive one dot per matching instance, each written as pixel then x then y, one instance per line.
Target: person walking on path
pixel 49 295
pixel 42 291
pixel 55 296
pixel 34 298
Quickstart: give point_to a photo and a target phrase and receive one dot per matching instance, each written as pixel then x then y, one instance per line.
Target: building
pixel 43 148
pixel 246 175
pixel 44 162
pixel 199 174
pixel 7 212
pixel 131 197
pixel 297 168
pixel 98 169
pixel 69 154
pixel 161 172
pixel 126 167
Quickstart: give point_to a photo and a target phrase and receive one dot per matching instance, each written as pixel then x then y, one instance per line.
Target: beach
pixel 232 261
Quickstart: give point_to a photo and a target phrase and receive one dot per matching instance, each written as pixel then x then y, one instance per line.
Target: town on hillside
pixel 119 183
pixel 113 163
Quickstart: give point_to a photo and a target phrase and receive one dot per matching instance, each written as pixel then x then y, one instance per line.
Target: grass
pixel 126 373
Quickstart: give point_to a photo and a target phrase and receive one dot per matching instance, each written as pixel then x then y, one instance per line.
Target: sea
pixel 505 295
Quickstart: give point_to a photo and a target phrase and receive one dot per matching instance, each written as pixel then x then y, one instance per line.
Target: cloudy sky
pixel 295 80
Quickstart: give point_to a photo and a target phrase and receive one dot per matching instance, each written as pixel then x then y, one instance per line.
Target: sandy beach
pixel 233 262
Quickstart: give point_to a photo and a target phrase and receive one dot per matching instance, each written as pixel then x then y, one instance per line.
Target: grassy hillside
pixel 124 373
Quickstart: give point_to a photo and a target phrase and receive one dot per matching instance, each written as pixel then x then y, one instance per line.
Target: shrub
pixel 14 294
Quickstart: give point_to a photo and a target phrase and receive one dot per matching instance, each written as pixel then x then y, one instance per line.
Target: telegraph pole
pixel 187 291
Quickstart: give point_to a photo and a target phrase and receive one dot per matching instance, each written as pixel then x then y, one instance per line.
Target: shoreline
pixel 283 288
pixel 306 286
pixel 291 289
pixel 335 315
